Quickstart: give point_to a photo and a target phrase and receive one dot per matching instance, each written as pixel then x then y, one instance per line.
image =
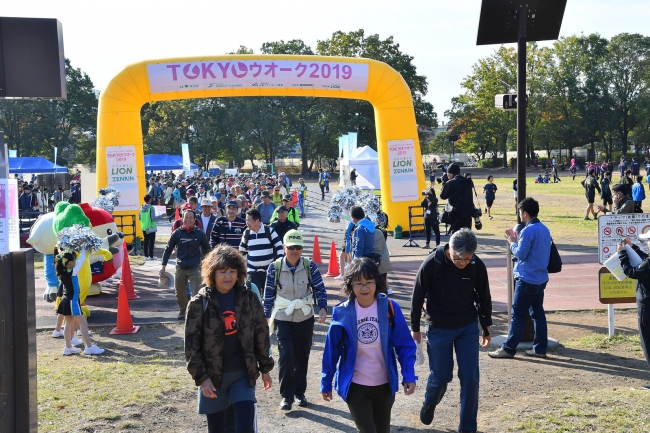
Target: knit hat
pixel 453 168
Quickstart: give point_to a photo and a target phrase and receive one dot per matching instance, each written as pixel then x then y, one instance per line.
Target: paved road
pixel 575 288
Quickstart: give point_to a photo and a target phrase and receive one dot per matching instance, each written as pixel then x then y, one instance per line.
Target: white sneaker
pixel 57 334
pixel 79 332
pixel 153 258
pixel 340 277
pixel 75 341
pixel 93 350
pixel 146 259
pixel 71 351
pixel 389 291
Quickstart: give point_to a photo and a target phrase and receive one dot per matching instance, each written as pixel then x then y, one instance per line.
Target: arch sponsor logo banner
pixel 402 169
pixel 206 75
pixel 122 175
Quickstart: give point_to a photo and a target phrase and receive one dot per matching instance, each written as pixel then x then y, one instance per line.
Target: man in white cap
pixel 293 285
pixel 207 217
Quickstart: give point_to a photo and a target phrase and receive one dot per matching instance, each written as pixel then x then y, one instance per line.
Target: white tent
pixel 366 163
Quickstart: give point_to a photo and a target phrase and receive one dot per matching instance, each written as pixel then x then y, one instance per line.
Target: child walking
pixel 67 268
pixel 490 190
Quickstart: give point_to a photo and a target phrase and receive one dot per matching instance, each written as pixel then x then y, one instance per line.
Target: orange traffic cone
pixel 316 258
pixel 127 278
pixel 124 323
pixel 333 269
pixel 178 214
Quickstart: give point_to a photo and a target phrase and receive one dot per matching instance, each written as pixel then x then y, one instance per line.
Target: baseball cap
pixel 282 209
pixel 186 206
pixel 232 203
pixel 287 197
pixel 190 191
pixel 217 196
pixel 293 237
pixel 206 202
pixel 266 194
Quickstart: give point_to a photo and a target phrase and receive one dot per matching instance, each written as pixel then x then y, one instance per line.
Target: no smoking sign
pixel 613 228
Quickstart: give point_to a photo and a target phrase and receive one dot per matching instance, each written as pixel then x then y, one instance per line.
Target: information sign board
pixel 612 291
pixel 615 228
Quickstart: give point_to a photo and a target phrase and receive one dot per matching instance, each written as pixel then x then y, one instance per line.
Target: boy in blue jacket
pixel 638 193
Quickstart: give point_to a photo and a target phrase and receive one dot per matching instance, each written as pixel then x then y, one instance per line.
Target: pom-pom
pixel 78 238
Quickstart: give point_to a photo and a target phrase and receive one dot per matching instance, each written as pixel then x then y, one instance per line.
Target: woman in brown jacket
pixel 227 341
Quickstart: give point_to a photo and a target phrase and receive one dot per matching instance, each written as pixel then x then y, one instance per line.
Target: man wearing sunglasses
pixel 455 284
pixel 293 285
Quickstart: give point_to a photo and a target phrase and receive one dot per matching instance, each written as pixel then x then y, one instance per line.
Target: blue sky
pixel 103 37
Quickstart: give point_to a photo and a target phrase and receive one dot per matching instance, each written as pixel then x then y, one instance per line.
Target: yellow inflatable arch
pixel 120 157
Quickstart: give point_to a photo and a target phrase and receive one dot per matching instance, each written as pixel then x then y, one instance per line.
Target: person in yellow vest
pixel 302 196
pixel 277 196
pixel 292 213
pixel 149 227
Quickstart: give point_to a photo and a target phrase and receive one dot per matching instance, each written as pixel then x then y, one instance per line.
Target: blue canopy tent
pixel 34 164
pixel 164 161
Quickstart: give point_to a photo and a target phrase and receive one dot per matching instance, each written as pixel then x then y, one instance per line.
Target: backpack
pixel 247 233
pixel 305 262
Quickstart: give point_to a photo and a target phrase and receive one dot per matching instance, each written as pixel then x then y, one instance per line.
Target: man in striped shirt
pixel 261 246
pixel 228 229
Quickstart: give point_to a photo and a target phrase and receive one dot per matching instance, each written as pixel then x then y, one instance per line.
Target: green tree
pixel 627 65
pixel 358 116
pixel 34 128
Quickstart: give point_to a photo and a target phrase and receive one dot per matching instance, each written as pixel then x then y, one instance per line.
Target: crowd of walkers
pixel 248 278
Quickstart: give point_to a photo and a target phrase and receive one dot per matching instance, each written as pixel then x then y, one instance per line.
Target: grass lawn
pixel 610 410
pixel 562 209
pixel 113 387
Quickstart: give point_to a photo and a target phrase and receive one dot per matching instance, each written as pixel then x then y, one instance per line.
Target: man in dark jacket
pixel 455 284
pixel 458 192
pixel 192 243
pixel 282 225
pixel 27 200
pixel 641 273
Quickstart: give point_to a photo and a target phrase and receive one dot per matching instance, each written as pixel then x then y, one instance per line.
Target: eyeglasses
pixel 368 285
pixel 295 247
pixel 457 259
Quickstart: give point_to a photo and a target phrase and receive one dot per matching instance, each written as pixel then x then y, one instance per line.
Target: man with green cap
pixel 293 285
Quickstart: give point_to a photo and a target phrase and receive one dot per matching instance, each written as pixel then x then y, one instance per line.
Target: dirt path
pixel 513 392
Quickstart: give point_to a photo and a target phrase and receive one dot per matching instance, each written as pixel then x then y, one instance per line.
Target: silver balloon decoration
pixel 108 199
pixel 78 238
pixel 345 198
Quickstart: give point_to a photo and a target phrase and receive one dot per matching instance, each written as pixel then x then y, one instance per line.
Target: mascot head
pixel 67 214
pixel 103 225
pixel 42 236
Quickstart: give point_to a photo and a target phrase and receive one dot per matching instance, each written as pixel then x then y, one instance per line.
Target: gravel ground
pixel 509 388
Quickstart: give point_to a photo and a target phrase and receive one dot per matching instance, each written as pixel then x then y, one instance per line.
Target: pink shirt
pixel 370 368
